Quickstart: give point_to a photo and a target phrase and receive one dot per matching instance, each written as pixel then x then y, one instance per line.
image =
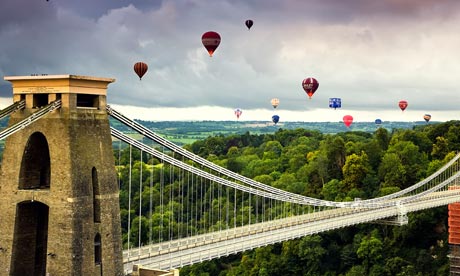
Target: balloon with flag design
pixel 238 112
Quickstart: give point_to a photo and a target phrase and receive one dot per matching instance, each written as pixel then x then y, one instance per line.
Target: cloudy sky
pixel 371 54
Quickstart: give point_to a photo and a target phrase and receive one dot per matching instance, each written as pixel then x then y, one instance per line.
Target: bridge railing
pixel 30 119
pixel 12 108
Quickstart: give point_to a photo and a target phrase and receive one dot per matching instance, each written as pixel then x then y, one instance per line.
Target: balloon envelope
pixel 335 103
pixel 403 104
pixel 347 120
pixel 275 102
pixel 140 68
pixel 211 41
pixel 427 117
pixel 310 85
pixel 275 119
pixel 249 23
pixel 238 112
pixel 378 121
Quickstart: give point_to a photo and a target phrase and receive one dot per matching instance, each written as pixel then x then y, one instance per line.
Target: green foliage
pixel 355 170
pixel 338 167
pixel 391 171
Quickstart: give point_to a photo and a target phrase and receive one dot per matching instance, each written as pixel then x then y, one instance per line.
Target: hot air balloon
pixel 378 121
pixel 275 102
pixel 249 23
pixel 335 103
pixel 310 85
pixel 347 120
pixel 275 119
pixel 427 117
pixel 211 41
pixel 140 68
pixel 238 112
pixel 403 104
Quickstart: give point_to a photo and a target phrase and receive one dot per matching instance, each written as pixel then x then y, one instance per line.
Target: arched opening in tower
pixel 35 170
pixel 96 196
pixel 30 239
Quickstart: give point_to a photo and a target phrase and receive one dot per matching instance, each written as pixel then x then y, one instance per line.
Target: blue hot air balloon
pixel 275 119
pixel 378 121
pixel 335 103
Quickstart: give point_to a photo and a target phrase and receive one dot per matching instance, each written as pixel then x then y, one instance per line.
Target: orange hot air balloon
pixel 427 117
pixel 275 102
pixel 140 68
pixel 347 120
pixel 403 104
pixel 211 41
pixel 310 85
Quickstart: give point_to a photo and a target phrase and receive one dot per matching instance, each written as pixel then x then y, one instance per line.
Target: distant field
pixel 187 132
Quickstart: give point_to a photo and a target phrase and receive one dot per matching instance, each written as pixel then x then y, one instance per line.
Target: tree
pixel 453 137
pixel 412 159
pixel 332 190
pixel 272 149
pixel 311 252
pixel 334 149
pixel 382 137
pixel 440 148
pixel 391 171
pixel 355 170
pixel 370 250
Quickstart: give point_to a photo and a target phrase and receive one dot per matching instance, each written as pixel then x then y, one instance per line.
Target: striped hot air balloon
pixel 211 41
pixel 140 68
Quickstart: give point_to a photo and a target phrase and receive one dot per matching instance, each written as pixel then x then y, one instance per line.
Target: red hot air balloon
pixel 403 104
pixel 211 41
pixel 140 68
pixel 249 23
pixel 347 120
pixel 310 85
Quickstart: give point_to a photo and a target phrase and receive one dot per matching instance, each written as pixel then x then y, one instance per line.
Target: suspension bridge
pixel 204 211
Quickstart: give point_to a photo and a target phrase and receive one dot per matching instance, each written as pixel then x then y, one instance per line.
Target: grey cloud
pixel 368 63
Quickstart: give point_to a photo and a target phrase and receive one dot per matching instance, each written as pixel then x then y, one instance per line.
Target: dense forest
pixel 339 167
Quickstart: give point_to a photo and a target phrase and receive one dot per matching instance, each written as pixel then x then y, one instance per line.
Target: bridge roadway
pixel 195 249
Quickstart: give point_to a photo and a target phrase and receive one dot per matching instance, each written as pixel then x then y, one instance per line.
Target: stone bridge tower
pixel 59 208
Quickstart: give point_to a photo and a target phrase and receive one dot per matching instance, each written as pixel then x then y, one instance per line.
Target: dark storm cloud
pixel 23 12
pixel 97 8
pixel 370 53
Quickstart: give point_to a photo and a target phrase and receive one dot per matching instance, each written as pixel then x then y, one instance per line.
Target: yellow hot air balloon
pixel 275 102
